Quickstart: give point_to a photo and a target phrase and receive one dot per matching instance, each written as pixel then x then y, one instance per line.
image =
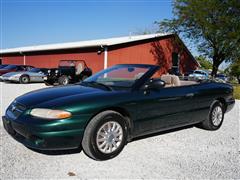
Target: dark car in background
pixel 107 110
pixel 68 71
pixel 3 65
pixel 14 68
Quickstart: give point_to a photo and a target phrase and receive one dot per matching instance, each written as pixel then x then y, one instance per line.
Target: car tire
pixel 48 83
pixel 84 77
pixel 63 80
pixel 105 136
pixel 215 117
pixel 24 79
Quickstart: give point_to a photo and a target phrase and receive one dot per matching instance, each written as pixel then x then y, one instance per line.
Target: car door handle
pixel 190 95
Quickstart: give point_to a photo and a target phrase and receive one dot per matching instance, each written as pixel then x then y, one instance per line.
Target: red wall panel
pixel 156 52
pixel 12 60
pixel 93 60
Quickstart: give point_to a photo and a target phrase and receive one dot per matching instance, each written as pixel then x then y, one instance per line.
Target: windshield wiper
pixel 98 84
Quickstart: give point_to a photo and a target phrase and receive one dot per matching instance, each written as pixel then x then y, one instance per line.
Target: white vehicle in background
pixel 198 75
pixel 25 77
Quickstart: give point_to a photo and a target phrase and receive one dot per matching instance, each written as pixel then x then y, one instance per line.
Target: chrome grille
pixel 15 110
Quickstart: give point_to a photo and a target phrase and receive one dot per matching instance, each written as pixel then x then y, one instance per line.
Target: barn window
pixel 175 63
pixel 175 59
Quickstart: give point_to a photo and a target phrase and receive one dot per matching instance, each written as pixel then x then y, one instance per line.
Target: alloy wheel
pixel 217 115
pixel 109 137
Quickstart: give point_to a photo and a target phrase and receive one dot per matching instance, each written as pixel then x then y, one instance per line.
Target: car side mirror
pixel 154 84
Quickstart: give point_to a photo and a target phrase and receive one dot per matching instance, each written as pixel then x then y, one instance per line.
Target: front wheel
pixel 215 117
pixel 105 136
pixel 24 79
pixel 63 80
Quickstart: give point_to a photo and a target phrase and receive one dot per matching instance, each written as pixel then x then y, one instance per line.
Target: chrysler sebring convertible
pixel 109 109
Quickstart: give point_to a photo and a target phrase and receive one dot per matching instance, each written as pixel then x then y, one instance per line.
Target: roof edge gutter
pixel 50 49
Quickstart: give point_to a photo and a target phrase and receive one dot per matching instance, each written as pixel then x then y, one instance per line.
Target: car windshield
pixel 70 63
pixel 119 76
pixel 10 67
pixel 34 70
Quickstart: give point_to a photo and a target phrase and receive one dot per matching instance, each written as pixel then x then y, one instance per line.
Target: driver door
pixel 163 109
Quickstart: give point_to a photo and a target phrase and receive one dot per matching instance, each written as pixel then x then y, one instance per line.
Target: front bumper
pixel 43 140
pixel 12 78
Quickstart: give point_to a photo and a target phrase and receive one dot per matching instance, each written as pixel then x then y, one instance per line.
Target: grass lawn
pixel 236 92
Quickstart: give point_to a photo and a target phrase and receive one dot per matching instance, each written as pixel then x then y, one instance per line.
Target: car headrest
pixel 170 79
pixel 176 80
pixel 167 78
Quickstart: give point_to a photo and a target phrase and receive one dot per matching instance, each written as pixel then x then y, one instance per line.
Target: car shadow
pixel 57 152
pixel 13 82
pixel 162 132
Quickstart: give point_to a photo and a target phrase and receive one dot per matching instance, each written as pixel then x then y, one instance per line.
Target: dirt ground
pixel 188 153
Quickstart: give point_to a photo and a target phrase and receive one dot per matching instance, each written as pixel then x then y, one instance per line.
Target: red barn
pixel 166 50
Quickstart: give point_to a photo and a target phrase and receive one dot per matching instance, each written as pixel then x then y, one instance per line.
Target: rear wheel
pixel 63 80
pixel 215 117
pixel 105 136
pixel 24 79
pixel 84 77
pixel 48 83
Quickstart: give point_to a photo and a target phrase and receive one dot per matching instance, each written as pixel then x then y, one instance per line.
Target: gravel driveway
pixel 189 153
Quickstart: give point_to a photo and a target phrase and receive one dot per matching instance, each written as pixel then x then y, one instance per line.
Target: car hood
pixel 51 96
pixel 12 74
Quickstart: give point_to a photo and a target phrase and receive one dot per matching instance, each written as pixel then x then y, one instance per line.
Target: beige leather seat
pixel 176 80
pixel 167 79
pixel 79 69
pixel 170 80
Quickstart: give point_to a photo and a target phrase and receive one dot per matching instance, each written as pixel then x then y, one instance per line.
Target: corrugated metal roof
pixel 83 44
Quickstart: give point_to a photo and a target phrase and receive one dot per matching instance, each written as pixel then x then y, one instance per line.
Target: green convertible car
pixel 109 109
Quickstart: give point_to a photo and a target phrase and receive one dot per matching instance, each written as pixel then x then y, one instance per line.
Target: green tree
pixel 235 70
pixel 213 26
pixel 205 63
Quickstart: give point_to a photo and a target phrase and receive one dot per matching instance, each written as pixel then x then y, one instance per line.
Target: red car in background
pixel 14 68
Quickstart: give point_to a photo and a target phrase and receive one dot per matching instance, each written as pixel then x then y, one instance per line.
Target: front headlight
pixel 50 113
